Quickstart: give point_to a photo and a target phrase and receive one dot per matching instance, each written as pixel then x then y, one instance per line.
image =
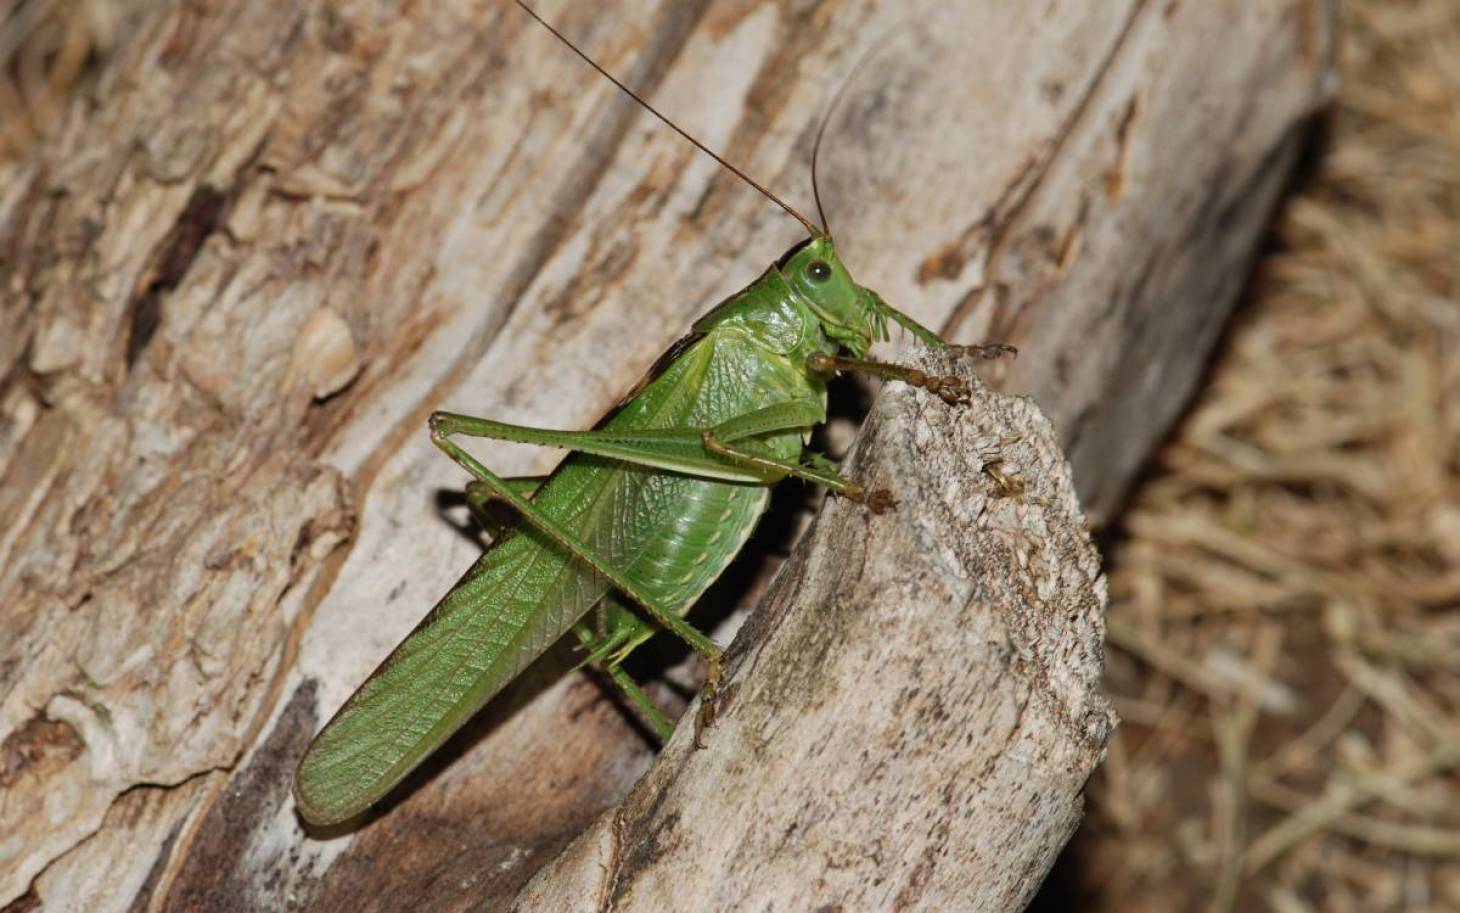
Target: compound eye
pixel 818 271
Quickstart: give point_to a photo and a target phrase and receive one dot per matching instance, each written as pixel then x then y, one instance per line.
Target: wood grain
pixel 273 237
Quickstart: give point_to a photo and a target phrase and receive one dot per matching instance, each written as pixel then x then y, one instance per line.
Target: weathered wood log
pixel 275 238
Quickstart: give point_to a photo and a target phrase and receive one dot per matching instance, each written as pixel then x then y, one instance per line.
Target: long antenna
pixel 821 132
pixel 815 232
pixel 816 153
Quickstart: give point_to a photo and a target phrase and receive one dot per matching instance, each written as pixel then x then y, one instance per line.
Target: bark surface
pixel 275 237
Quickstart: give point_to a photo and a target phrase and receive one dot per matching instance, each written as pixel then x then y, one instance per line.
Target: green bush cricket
pixel 637 521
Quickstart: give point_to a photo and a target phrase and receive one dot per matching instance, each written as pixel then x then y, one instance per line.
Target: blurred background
pixel 1283 641
pixel 1284 645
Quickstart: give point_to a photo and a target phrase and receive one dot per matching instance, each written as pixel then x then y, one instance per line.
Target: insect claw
pixel 880 501
pixel 704 720
pixel 709 700
pixel 953 390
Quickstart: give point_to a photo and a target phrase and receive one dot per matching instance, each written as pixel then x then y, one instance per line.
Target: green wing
pixel 526 591
pixel 520 597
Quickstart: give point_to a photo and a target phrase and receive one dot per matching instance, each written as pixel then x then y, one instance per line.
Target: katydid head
pixel 850 314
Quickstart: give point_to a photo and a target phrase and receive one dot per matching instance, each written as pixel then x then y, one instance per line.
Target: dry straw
pixel 1285 640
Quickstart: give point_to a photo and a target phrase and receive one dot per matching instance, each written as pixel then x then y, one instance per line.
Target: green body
pixel 652 513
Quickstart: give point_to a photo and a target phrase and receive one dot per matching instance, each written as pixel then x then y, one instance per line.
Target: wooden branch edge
pixel 911 714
